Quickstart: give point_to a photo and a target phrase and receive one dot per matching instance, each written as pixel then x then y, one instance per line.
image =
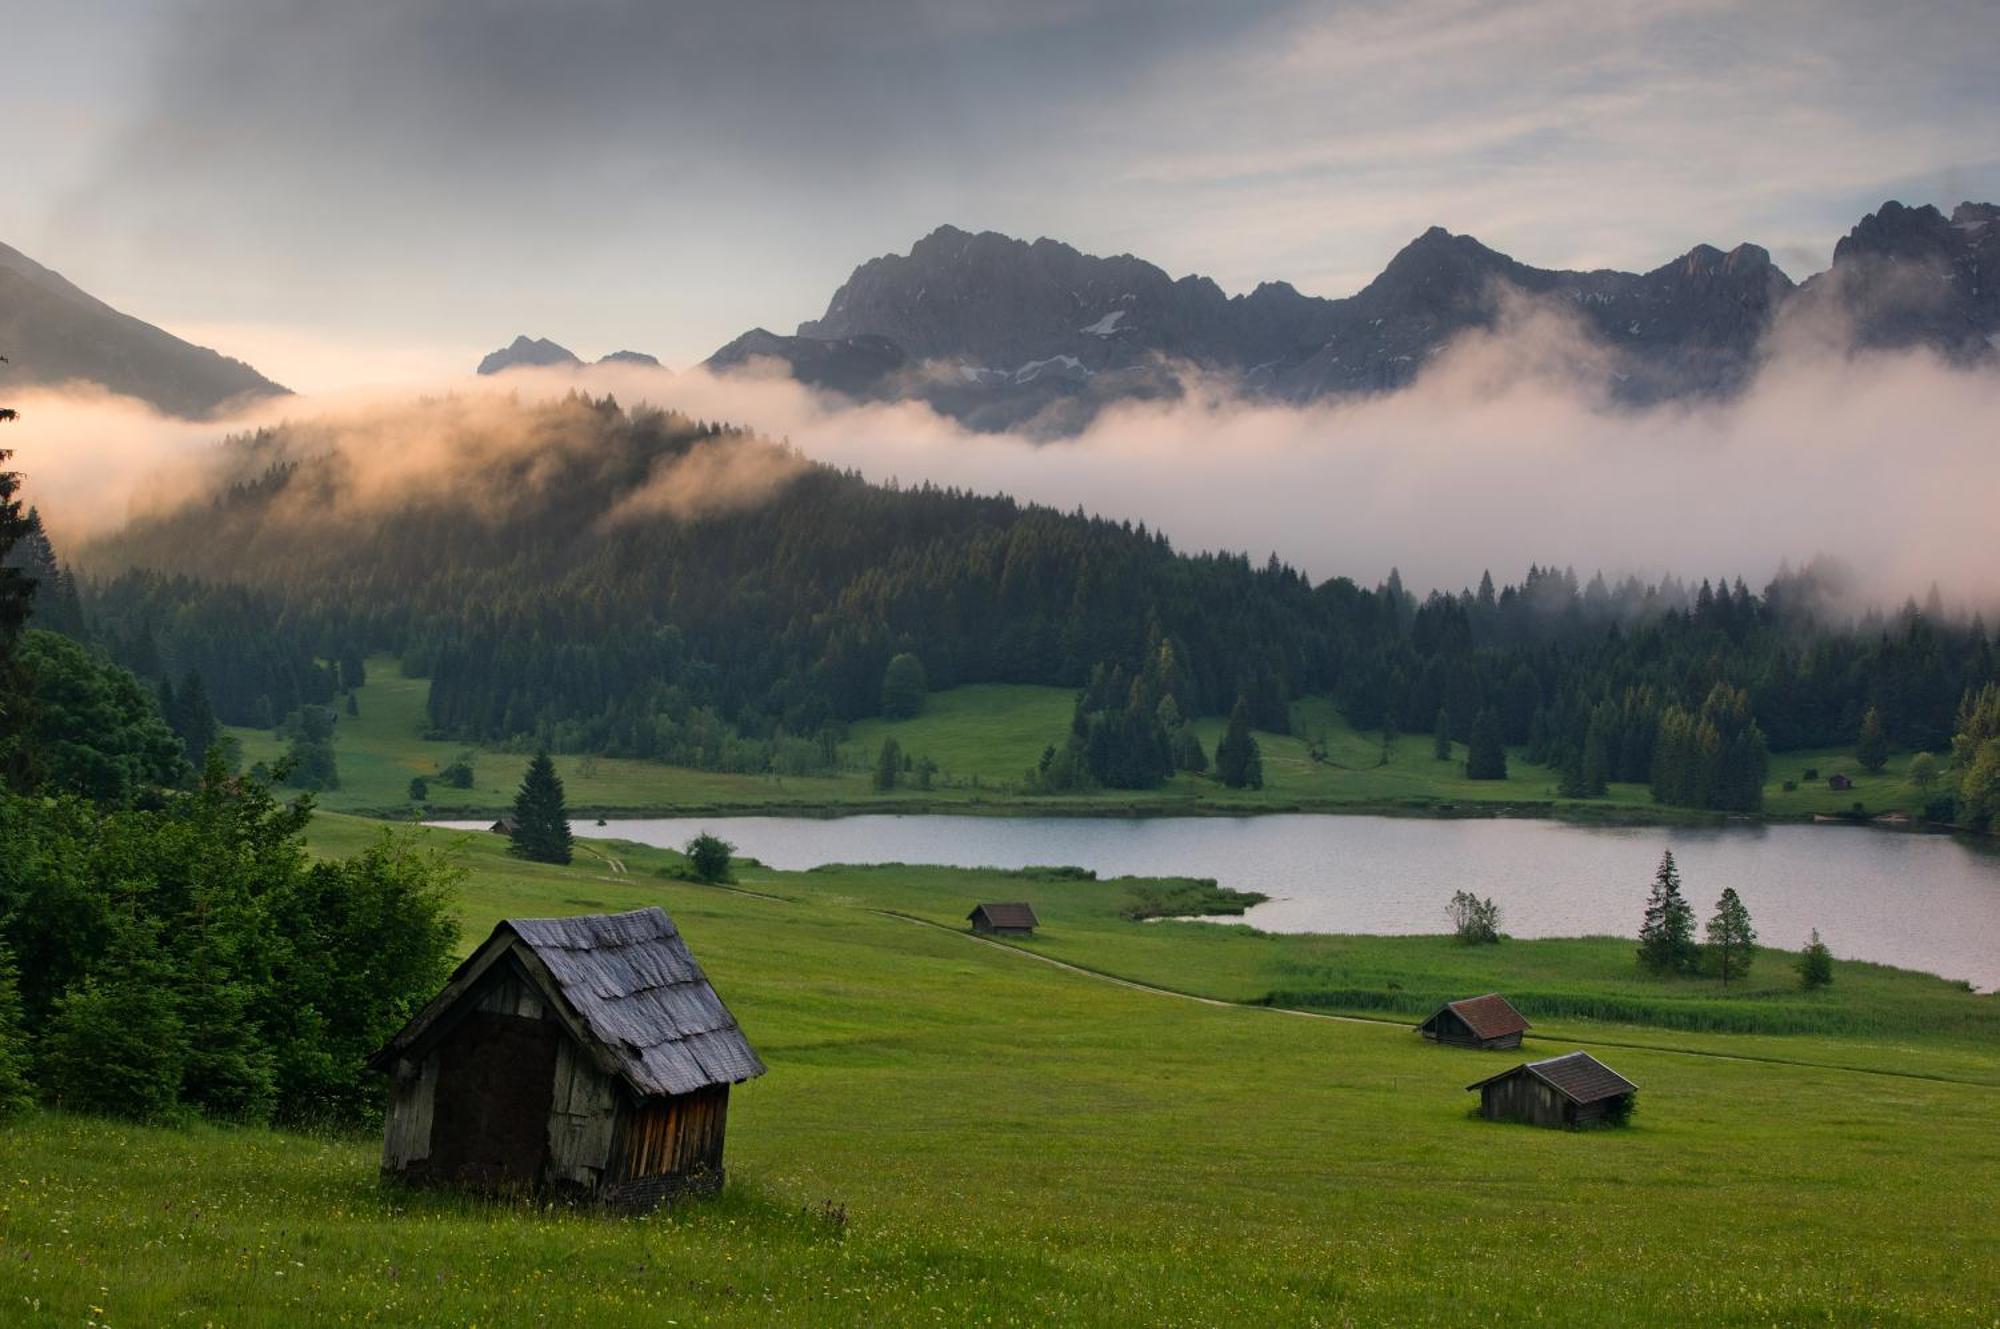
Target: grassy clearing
pixel 985 737
pixel 1011 1143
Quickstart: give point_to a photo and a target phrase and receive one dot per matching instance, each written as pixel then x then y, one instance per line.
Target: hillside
pixel 949 1125
pixel 53 333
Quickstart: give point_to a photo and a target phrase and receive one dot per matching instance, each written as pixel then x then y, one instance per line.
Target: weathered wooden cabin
pixel 585 1057
pixel 1573 1090
pixel 1838 781
pixel 504 826
pixel 1476 1022
pixel 1004 920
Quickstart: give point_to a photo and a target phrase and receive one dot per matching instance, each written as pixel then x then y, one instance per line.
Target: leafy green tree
pixel 459 774
pixel 420 789
pixel 710 857
pixel 904 687
pixel 1731 940
pixel 541 816
pixel 16 1088
pixel 1238 763
pixel 1923 772
pixel 888 765
pixel 1871 749
pixel 1473 921
pixel 1815 964
pixel 92 729
pixel 1975 757
pixel 1666 935
pixel 1486 755
pixel 1441 736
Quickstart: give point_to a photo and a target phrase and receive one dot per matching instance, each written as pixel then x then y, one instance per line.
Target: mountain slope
pixel 525 350
pixel 52 332
pixel 1002 332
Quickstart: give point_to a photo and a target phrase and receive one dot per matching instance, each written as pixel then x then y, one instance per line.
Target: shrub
pixel 1474 921
pixel 709 857
pixel 1815 964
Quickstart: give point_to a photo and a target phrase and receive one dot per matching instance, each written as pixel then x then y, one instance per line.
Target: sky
pixel 373 191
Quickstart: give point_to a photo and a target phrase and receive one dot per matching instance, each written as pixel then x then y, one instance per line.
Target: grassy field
pixel 954 1132
pixel 985 737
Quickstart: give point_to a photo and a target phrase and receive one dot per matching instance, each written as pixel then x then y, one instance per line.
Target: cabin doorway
pixel 496 1080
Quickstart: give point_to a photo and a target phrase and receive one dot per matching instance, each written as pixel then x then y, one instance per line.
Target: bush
pixel 458 775
pixel 709 857
pixel 420 789
pixel 15 1090
pixel 1791 786
pixel 1815 964
pixel 116 1044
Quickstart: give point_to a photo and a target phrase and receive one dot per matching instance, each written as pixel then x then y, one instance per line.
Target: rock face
pixel 51 332
pixel 1004 333
pixel 539 351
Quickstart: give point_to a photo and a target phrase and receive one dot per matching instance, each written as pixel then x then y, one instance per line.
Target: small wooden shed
pixel 1838 781
pixel 1572 1090
pixel 1476 1022
pixel 584 1056
pixel 1004 920
pixel 504 826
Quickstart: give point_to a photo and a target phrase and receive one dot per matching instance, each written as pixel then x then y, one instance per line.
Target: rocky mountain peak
pixel 525 350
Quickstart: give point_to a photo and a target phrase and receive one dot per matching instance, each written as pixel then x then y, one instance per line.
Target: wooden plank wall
pixel 674 1136
pixel 406 1134
pixel 582 1119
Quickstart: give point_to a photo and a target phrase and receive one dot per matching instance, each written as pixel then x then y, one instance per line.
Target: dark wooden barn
pixel 1005 920
pixel 585 1056
pixel 1476 1022
pixel 1838 781
pixel 1573 1090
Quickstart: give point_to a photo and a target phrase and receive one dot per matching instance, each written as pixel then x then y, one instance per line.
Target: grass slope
pixel 985 737
pixel 953 1133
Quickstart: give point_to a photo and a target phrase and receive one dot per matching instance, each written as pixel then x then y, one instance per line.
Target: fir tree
pixel 1441 736
pixel 1486 755
pixel 1666 936
pixel 1731 939
pixel 1871 749
pixel 888 765
pixel 1238 763
pixel 541 820
pixel 1815 964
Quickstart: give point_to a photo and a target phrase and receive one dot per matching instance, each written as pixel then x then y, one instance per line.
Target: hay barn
pixel 1573 1090
pixel 586 1057
pixel 1004 920
pixel 1476 1022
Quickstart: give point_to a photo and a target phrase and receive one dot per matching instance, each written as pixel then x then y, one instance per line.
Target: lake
pixel 1924 902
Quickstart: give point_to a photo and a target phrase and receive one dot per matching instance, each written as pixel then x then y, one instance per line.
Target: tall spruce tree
pixel 1871 748
pixel 1238 763
pixel 1666 936
pixel 1731 939
pixel 1486 755
pixel 541 818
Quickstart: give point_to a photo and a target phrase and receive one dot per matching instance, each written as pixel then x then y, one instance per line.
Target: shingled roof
pixel 1490 1016
pixel 1014 914
pixel 627 986
pixel 1579 1077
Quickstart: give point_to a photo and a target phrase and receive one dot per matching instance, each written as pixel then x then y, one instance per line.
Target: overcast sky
pixel 354 190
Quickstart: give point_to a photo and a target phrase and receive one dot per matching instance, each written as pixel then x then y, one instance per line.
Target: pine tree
pixel 1871 749
pixel 1441 736
pixel 1815 964
pixel 1666 936
pixel 541 818
pixel 888 765
pixel 1238 763
pixel 1731 939
pixel 1485 755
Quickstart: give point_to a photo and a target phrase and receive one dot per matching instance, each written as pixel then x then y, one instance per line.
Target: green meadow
pixel 985 737
pixel 959 1132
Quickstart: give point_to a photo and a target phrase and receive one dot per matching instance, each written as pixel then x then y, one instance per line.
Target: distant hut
pixel 1476 1022
pixel 585 1057
pixel 504 826
pixel 1574 1090
pixel 1004 920
pixel 1838 781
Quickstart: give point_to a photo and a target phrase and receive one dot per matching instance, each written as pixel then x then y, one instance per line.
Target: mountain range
pixel 540 352
pixel 51 333
pixel 1004 333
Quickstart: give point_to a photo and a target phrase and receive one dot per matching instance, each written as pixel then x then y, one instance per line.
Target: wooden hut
pixel 1573 1090
pixel 1004 920
pixel 504 826
pixel 1838 781
pixel 585 1056
pixel 1476 1022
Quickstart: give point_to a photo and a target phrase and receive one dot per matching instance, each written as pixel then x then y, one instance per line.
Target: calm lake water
pixel 1920 901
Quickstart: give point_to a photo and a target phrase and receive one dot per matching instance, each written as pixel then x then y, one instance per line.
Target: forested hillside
pixel 642 584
